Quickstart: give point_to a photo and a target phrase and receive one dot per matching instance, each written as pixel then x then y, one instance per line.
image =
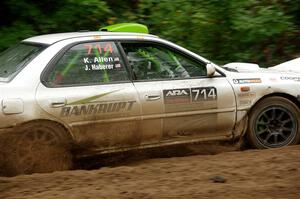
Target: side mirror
pixel 210 70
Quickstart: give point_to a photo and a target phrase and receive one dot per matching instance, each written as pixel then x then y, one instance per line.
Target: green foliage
pixel 12 34
pixel 225 31
pixel 264 32
pixel 34 17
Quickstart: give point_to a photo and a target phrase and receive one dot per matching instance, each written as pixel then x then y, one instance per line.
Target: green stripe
pixel 92 98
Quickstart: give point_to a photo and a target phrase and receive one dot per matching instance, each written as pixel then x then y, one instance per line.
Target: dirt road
pixel 253 174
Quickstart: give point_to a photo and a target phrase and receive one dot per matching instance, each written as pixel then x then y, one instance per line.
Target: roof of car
pixel 53 38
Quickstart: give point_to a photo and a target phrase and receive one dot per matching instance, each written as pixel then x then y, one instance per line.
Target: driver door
pixel 175 90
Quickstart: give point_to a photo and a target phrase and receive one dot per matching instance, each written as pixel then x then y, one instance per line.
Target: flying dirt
pixel 270 173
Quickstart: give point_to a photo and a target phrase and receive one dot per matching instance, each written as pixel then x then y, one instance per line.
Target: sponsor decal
pixel 297 79
pixel 185 95
pixel 91 106
pixel 245 102
pixel 246 81
pixel 247 95
pixel 97 108
pixel 245 99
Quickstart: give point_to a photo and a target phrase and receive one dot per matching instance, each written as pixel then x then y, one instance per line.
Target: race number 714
pixel 204 94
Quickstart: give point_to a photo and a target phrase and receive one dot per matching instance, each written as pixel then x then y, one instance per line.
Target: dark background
pixel 266 32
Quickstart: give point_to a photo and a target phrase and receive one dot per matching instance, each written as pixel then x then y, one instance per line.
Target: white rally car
pixel 114 90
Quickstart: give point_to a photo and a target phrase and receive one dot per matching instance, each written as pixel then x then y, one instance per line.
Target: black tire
pixel 274 122
pixel 40 147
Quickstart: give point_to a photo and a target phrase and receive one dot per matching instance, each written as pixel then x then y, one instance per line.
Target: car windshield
pixel 14 59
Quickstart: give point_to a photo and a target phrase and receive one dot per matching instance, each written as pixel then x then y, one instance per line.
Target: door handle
pixel 152 97
pixel 58 103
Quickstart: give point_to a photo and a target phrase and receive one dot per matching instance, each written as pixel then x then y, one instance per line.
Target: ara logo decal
pixel 177 93
pixel 174 96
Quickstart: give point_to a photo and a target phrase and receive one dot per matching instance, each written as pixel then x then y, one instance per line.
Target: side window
pixel 151 61
pixel 88 63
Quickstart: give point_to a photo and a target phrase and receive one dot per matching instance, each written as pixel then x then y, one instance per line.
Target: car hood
pixel 246 71
pixel 291 66
pixel 241 67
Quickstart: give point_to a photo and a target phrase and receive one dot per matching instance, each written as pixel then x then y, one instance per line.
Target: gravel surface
pixel 272 173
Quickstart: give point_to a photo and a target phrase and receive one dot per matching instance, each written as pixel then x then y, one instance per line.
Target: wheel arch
pixel 292 98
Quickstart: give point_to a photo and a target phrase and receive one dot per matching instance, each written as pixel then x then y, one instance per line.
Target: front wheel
pixel 274 122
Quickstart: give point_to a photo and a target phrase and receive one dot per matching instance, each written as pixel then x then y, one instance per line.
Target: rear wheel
pixel 40 148
pixel 274 122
